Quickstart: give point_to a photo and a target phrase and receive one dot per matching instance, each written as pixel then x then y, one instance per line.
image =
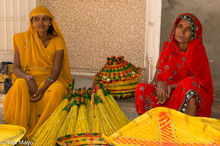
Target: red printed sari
pixel 189 70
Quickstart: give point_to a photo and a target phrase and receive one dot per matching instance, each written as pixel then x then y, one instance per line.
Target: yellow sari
pixel 37 61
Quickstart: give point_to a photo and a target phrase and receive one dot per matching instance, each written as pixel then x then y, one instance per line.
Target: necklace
pixel 45 42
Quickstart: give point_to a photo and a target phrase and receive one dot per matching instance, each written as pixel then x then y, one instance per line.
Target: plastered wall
pixel 96 29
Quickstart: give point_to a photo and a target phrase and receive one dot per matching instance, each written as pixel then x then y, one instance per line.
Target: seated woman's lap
pixel 25 113
pixel 50 99
pixel 187 88
pixel 54 91
pixel 54 94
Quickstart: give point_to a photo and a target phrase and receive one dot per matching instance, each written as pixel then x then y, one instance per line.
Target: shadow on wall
pixel 83 82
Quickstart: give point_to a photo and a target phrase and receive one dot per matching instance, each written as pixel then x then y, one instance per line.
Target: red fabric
pixel 176 67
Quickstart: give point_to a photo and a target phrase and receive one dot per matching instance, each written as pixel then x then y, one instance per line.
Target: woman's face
pixel 41 23
pixel 183 32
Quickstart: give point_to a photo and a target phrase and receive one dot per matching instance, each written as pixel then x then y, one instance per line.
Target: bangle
pixel 50 80
pixel 28 78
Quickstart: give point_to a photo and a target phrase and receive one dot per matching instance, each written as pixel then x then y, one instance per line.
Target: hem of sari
pixel 188 96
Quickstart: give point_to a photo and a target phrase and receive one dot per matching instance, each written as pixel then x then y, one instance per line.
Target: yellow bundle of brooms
pixel 112 106
pixel 47 132
pixel 104 117
pixel 83 116
pixel 69 125
pixel 82 125
pixel 87 97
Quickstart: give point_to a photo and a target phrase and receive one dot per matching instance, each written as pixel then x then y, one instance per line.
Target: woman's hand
pixel 32 86
pixel 38 95
pixel 162 92
pixel 170 88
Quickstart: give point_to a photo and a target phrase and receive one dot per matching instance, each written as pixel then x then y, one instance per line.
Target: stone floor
pixel 216 107
pixel 128 107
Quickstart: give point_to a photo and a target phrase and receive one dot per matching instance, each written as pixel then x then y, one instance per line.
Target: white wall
pixel 152 37
pixel 14 18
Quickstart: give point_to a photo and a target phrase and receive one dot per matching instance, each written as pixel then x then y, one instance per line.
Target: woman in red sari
pixel 182 80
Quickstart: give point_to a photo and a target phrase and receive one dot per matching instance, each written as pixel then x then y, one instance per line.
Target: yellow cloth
pixel 36 60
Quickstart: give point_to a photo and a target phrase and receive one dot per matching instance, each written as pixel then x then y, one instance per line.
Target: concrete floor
pixel 216 107
pixel 128 107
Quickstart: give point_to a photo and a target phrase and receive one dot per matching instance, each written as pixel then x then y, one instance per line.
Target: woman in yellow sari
pixel 41 72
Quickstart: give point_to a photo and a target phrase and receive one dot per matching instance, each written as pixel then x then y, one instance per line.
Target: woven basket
pixel 119 77
pixel 163 126
pixel 11 134
pixel 82 139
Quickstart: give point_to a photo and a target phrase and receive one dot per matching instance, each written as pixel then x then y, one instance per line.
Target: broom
pixel 69 124
pixel 47 132
pixel 93 117
pixel 71 129
pixel 87 103
pixel 87 99
pixel 112 107
pixel 106 124
pixel 82 121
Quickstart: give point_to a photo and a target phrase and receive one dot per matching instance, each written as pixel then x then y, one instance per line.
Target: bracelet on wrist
pixel 28 78
pixel 50 80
